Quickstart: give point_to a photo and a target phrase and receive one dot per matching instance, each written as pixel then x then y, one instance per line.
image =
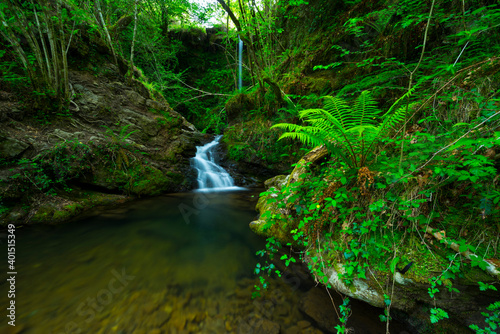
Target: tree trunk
pixel 131 70
pixel 105 29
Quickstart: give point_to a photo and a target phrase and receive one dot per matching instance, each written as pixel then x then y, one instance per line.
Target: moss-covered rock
pixel 239 107
pixel 63 208
pixel 329 263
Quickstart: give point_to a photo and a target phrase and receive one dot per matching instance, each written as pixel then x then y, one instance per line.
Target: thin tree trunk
pixel 133 42
pixel 106 31
pixel 12 39
pixel 46 53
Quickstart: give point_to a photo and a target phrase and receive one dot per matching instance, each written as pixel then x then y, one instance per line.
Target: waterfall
pixel 240 62
pixel 211 177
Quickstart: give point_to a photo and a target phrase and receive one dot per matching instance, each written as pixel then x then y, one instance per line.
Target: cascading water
pixel 211 177
pixel 240 63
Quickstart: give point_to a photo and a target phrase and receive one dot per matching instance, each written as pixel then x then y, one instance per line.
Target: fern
pixel 348 133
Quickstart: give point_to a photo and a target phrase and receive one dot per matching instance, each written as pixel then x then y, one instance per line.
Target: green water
pixel 180 263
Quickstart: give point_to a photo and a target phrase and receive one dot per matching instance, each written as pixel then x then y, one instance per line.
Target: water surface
pixel 180 263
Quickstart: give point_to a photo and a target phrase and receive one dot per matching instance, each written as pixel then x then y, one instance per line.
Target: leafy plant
pixel 350 134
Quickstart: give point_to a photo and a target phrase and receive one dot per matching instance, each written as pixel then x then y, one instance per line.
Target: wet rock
pixel 360 288
pixel 87 100
pixel 319 307
pixel 215 325
pixel 16 215
pixel 277 182
pixel 260 225
pixel 177 320
pixel 303 324
pixel 156 331
pixel 16 113
pixel 292 330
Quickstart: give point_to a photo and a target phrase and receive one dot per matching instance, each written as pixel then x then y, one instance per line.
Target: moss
pixel 58 210
pixel 239 108
pixel 153 183
pixel 68 211
pixel 43 214
pixel 254 142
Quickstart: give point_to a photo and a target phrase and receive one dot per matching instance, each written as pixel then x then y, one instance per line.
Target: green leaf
pixel 394 263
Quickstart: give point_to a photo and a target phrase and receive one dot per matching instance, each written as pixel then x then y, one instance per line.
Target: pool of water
pixel 180 263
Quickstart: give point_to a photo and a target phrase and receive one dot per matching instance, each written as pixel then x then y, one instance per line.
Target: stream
pixel 179 263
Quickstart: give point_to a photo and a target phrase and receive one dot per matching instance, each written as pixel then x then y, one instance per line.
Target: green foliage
pixel 492 320
pixel 350 134
pixel 253 141
pixel 48 29
pixel 51 172
pixel 122 135
pixel 345 311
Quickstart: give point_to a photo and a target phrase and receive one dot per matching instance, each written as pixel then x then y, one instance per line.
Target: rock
pixel 16 114
pixel 95 139
pixel 68 135
pixel 156 105
pixel 11 147
pixel 177 320
pixel 146 125
pixel 16 215
pixel 255 324
pixel 134 97
pixel 86 100
pixel 293 330
pixel 259 226
pixel 276 182
pixel 359 289
pixel 318 306
pixel 303 324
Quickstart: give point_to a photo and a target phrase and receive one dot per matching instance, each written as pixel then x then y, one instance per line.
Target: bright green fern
pixel 348 133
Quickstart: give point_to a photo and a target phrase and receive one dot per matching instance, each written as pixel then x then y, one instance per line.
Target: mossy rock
pixel 238 108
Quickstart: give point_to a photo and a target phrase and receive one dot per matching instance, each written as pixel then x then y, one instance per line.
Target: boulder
pixel 11 147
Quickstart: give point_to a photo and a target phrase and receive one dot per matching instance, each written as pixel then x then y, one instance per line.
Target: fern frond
pixel 398 101
pixel 339 109
pixel 323 120
pixel 305 136
pixel 348 133
pixel 365 110
pixel 335 120
pixel 390 121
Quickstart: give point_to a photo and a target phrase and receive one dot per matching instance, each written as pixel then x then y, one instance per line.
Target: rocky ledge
pixel 116 141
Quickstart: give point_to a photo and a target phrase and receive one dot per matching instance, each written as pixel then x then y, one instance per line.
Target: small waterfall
pixel 211 177
pixel 240 64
